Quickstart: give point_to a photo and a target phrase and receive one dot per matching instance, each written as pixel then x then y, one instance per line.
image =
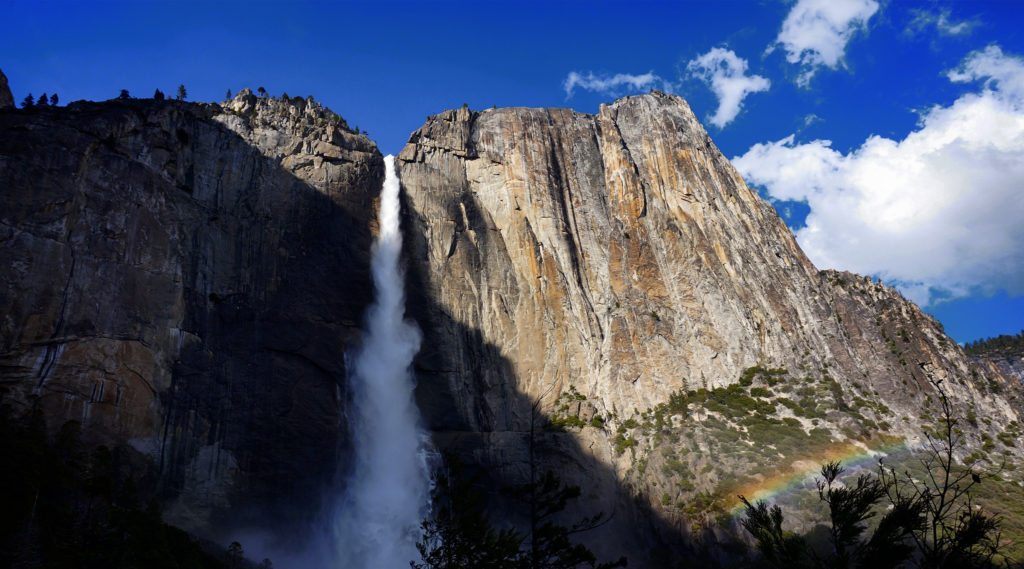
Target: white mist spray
pixel 377 520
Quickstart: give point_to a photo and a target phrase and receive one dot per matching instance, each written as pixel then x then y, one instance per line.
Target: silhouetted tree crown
pixel 158 95
pixel 458 534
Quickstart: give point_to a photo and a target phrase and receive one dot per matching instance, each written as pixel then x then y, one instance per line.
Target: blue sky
pixel 890 135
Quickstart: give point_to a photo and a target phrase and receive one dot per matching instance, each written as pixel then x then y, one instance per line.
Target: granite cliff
pixel 601 295
pixel 598 265
pixel 185 278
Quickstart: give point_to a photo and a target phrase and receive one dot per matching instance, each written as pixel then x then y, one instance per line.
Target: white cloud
pixel 941 210
pixel 942 22
pixel 815 32
pixel 1003 75
pixel 725 73
pixel 811 119
pixel 611 85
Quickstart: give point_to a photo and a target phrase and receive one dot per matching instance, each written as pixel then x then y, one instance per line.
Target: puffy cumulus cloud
pixel 726 74
pixel 611 85
pixel 939 213
pixel 815 32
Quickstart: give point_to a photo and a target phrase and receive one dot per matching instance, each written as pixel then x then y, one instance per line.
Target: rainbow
pixel 848 453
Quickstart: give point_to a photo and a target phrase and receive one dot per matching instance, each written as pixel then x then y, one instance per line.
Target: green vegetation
pixel 622 442
pixel 770 376
pixel 1001 343
pixel 850 506
pixel 932 518
pixel 567 413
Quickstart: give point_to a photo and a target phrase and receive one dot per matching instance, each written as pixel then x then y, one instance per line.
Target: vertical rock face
pixel 6 99
pixel 186 280
pixel 621 255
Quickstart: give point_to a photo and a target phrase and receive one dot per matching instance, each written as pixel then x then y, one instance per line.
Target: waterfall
pixel 376 521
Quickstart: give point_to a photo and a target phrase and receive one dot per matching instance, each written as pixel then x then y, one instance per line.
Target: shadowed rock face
pixel 187 282
pixel 6 99
pixel 621 254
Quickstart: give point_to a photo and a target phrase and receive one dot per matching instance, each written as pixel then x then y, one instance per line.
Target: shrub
pixel 622 443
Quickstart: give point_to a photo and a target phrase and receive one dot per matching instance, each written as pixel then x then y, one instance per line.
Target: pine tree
pixel 235 555
pixel 458 534
pixel 550 546
pixel 850 506
pixel 53 100
pixel 182 93
pixel 158 95
pixel 124 94
pixel 930 519
pixel 28 102
pixel 954 533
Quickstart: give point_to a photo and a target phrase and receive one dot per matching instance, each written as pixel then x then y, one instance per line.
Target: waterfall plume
pixel 376 520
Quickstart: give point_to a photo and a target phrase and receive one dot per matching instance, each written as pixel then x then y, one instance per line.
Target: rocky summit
pixel 599 295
